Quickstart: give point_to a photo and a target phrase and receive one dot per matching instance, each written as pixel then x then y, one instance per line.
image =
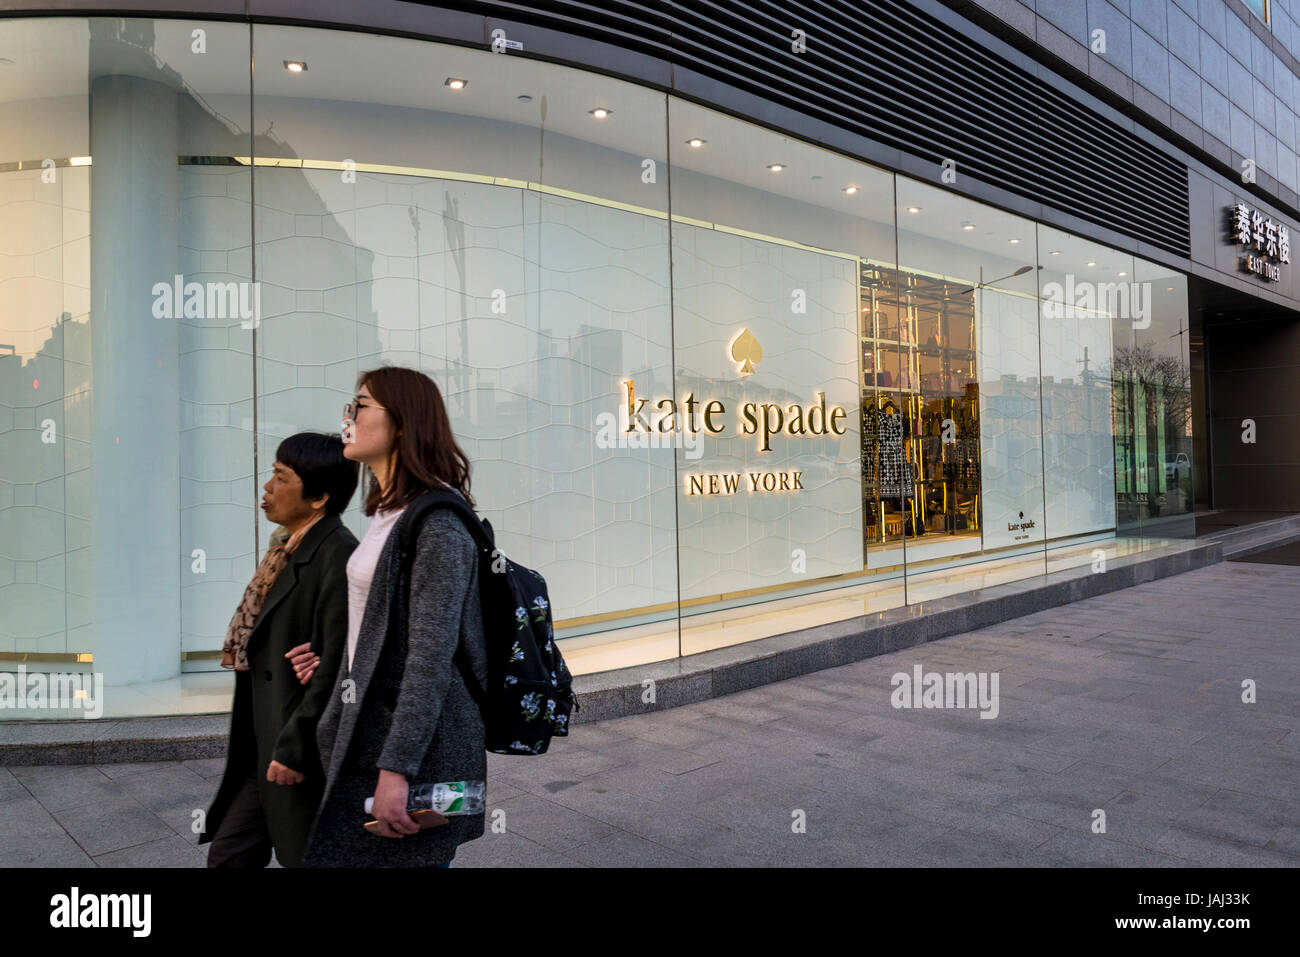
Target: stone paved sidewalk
pixel 1129 703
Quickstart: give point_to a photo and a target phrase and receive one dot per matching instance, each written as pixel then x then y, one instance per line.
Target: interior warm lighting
pixel 696 142
pixel 968 226
pixel 295 66
pixel 455 83
pixel 1092 264
pixel 1056 252
pixel 600 112
pixel 776 167
pixel 1013 241
pixel 914 209
pixel 78 160
pixel 1123 274
pixel 850 190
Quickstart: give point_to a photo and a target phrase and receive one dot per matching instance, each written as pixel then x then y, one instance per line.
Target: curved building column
pixel 134 214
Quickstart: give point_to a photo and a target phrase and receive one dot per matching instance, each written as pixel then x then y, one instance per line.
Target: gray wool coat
pixel 404 706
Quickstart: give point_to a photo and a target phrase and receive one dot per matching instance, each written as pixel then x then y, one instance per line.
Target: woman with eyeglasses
pixel 401 713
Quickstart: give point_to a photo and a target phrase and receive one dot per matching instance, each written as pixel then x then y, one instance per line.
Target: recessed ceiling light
pixel 600 112
pixel 1123 274
pixel 1013 241
pixel 296 66
pixel 850 190
pixel 1092 263
pixel 1056 252
pixel 455 82
pixel 524 98
pixel 695 142
pixel 914 209
pixel 776 167
pixel 967 226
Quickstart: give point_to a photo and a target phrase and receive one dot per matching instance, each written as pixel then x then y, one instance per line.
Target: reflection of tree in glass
pixel 1152 432
pixel 1164 375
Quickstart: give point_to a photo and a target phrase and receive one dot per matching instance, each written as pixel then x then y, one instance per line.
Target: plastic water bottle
pixel 448 798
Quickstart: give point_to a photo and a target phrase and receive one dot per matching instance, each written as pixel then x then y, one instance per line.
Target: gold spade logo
pixel 746 351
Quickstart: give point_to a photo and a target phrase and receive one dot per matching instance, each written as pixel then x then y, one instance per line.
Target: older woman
pixel 274 779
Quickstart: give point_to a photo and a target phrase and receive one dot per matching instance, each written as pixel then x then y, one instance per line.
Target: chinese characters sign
pixel 1269 242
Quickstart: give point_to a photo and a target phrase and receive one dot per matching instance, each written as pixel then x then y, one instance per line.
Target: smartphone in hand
pixel 425 819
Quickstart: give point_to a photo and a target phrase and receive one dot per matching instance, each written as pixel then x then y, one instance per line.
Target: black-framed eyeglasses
pixel 350 410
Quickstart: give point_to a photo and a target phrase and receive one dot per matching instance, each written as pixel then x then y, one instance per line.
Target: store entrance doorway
pixel 1245 370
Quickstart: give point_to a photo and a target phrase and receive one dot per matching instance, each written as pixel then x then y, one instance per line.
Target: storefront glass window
pixel 126 518
pixel 968 396
pixel 1086 309
pixel 772 240
pixel 1154 370
pixel 716 383
pixel 507 241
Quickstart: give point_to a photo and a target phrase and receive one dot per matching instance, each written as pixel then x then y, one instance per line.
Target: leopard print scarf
pixel 283 545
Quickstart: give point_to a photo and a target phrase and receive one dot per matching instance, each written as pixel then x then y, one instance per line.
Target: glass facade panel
pixel 771 239
pixel 1084 289
pixel 128 516
pixel 513 246
pixel 1157 372
pixel 968 394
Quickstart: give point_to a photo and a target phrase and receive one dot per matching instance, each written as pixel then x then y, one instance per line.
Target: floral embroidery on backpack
pixel 531 705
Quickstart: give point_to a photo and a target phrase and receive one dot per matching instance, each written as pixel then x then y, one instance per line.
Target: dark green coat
pixel 274 716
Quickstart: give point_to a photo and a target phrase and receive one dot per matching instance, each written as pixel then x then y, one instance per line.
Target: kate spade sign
pixel 764 419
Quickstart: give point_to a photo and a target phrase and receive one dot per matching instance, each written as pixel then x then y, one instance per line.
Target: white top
pixel 361 570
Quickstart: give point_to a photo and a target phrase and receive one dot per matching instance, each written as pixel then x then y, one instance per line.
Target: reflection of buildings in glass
pixel 42 445
pixel 1077 451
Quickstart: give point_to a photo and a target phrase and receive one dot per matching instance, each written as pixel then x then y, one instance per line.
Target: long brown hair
pixel 426 448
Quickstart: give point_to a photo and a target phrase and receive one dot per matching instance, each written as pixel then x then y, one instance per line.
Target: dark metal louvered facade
pixel 892 72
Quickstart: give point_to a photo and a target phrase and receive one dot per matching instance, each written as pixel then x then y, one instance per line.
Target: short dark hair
pixel 317 458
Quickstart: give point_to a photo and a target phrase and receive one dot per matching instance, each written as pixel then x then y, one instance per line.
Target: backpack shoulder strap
pixel 483 535
pixel 477 527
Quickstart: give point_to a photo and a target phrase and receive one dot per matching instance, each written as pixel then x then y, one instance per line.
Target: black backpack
pixel 529 695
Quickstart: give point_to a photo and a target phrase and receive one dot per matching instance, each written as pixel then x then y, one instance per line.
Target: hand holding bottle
pixel 389 807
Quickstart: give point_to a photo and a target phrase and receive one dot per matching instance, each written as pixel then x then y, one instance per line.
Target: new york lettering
pixel 728 483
